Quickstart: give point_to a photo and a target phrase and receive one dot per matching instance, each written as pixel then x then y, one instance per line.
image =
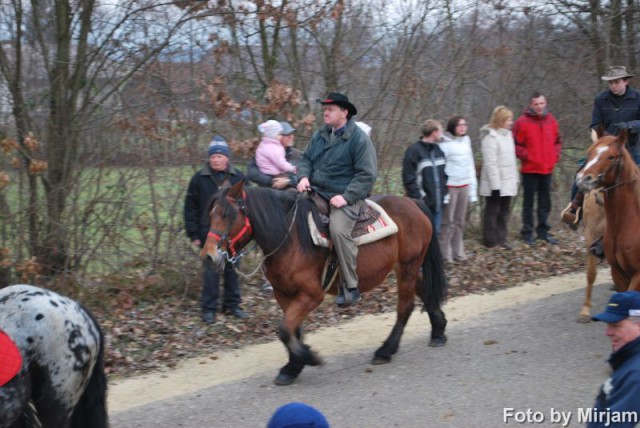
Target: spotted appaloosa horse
pixel 61 381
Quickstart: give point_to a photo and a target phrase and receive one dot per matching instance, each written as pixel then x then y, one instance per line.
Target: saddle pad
pixel 381 228
pixel 10 359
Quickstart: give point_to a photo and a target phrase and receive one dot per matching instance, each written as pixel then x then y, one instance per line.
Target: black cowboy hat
pixel 340 100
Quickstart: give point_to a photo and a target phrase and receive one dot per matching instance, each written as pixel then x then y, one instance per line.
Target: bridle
pixel 239 240
pixel 617 164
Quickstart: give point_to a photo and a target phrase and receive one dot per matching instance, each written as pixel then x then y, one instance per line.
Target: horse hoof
pixel 284 379
pixel 583 319
pixel 376 361
pixel 437 342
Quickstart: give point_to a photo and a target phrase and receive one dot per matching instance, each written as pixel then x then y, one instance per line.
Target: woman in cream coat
pixel 499 178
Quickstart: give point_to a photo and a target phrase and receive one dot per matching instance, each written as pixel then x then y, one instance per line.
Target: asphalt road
pixel 532 358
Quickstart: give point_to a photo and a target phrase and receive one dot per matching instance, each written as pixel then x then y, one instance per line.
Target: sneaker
pixel 266 287
pixel 208 317
pixel 529 240
pixel 238 313
pixel 341 299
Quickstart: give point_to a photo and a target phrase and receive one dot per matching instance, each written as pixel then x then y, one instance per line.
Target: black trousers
pixel 536 184
pixel 211 288
pixel 496 220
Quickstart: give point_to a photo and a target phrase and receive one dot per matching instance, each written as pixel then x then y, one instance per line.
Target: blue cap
pixel 218 146
pixel 620 306
pixel 297 415
pixel 287 128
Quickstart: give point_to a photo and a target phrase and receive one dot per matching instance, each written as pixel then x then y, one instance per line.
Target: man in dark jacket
pixel 340 164
pixel 423 173
pixel 614 109
pixel 538 146
pixel 216 173
pixel 617 403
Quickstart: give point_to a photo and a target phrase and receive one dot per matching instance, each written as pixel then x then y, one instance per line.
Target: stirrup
pixel 573 224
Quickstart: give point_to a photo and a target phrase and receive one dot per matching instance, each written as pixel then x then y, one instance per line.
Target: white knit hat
pixel 270 129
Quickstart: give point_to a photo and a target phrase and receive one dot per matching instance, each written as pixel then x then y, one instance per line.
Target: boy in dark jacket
pixel 216 173
pixel 423 173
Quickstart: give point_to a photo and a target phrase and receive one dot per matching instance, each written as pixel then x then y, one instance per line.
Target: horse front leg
pixel 592 271
pixel 290 333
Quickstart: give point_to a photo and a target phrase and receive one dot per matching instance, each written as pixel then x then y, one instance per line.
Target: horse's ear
pixel 236 190
pixel 622 137
pixel 594 136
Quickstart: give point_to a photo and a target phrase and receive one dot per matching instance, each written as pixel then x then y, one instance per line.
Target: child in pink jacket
pixel 270 155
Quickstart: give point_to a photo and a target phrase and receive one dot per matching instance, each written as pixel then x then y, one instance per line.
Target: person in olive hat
pixel 614 109
pixel 618 396
pixel 340 165
pixel 216 173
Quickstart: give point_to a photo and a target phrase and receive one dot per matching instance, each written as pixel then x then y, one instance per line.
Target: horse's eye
pixel 612 157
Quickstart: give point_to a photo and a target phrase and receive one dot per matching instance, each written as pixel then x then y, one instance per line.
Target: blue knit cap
pixel 218 146
pixel 297 415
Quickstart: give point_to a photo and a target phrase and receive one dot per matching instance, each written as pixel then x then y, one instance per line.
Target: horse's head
pixel 604 161
pixel 229 230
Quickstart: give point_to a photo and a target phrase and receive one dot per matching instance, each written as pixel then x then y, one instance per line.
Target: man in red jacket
pixel 538 145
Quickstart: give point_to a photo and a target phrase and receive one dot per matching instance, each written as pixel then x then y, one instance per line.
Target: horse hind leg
pixel 405 308
pixel 390 346
pixel 300 355
pixel 438 325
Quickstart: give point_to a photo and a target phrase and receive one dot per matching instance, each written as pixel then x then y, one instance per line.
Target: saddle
pixel 372 224
pixel 10 359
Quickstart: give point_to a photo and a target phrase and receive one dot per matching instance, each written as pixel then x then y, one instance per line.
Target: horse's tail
pixel 91 410
pixel 433 286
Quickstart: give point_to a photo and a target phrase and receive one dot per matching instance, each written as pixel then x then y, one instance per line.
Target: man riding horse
pixel 340 165
pixel 615 109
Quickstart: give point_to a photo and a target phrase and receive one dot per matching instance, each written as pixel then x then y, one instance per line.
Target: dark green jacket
pixel 346 166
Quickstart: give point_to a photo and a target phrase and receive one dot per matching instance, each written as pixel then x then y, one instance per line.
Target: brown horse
pixel 593 221
pixel 611 168
pixel 277 221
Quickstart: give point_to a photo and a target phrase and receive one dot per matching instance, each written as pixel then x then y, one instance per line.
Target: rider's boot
pixel 572 214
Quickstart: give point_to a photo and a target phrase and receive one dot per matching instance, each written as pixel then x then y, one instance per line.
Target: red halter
pixel 246 230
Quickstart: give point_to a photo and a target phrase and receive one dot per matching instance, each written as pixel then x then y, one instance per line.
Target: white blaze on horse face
pixel 595 160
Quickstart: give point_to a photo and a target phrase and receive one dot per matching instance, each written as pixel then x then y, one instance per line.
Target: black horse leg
pixel 300 355
pixel 438 324
pixel 390 346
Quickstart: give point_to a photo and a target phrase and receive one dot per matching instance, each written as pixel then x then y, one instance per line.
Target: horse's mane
pixel 270 212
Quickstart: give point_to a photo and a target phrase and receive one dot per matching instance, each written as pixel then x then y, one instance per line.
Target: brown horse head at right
pixel 605 160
